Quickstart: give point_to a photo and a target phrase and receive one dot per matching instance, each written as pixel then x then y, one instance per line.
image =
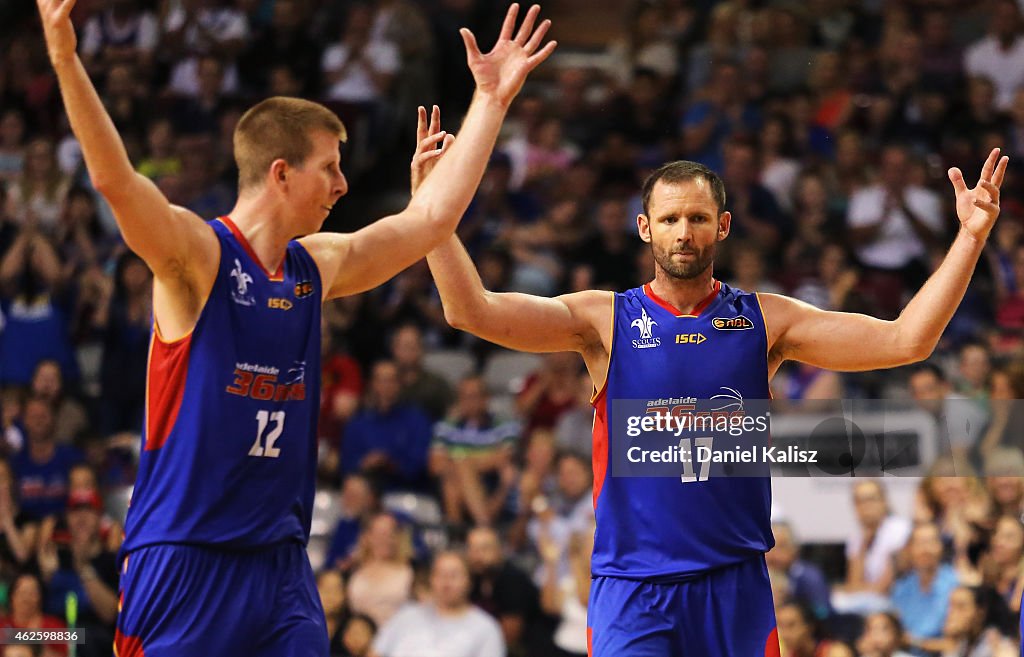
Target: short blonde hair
pixel 279 128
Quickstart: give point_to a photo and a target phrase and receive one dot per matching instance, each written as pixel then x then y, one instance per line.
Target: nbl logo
pixel 739 323
pixel 645 325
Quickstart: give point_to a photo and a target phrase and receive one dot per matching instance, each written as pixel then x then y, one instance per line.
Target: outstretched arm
pixel 852 342
pixel 367 258
pixel 165 237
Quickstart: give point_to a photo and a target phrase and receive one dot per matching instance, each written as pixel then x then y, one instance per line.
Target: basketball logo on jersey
pixel 303 289
pixel 645 325
pixel 241 293
pixel 739 323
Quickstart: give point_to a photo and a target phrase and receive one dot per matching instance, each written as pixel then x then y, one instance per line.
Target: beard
pixel 688 269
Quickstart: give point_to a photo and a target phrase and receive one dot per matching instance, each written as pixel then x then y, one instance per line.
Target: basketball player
pixel 215 560
pixel 679 567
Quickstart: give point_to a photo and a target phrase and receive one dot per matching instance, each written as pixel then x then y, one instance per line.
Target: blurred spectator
pixel 800 633
pixel 341 388
pixel 387 439
pixel 611 251
pixel 18 533
pixel 199 113
pixel 921 596
pixel 121 33
pixel 37 196
pixel 357 636
pixel 1000 55
pixel 26 610
pixel 36 324
pixel 202 27
pixel 83 483
pixel 779 167
pixel 883 636
pixel 427 390
pixel 360 66
pixel 871 550
pixel 1001 564
pixel 331 587
pixel 359 502
pixel 161 157
pixel 70 419
pixel 42 467
pixel 978 624
pixel 566 596
pixel 644 46
pixel 569 509
pixel 973 371
pixel 449 624
pixel 283 41
pixel 806 582
pixel 574 431
pixel 472 456
pixel 756 215
pixel 502 589
pixel 12 146
pixel 960 422
pixel 1010 301
pixel 123 320
pixel 1004 481
pixel 724 112
pixel 86 570
pixel 80 239
pixel 749 269
pixel 382 579
pixel 958 504
pixel 549 392
pixel 941 56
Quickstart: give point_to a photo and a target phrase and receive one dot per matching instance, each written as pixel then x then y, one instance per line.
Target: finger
pixel 536 59
pixel 537 37
pixel 990 164
pixel 957 178
pixel 446 144
pixel 987 206
pixel 527 27
pixel 421 123
pixel 993 191
pixel 997 177
pixel 435 120
pixel 510 22
pixel 65 8
pixel 430 141
pixel 472 50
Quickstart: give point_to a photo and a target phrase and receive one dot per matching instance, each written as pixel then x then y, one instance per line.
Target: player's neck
pixel 683 294
pixel 259 221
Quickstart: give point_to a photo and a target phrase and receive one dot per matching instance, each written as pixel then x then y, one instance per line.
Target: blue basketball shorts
pixel 727 612
pixel 181 600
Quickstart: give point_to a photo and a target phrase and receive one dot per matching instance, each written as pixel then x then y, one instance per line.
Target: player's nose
pixel 341 185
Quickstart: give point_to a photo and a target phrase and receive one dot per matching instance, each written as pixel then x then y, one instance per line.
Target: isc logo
pixel 281 304
pixel 690 338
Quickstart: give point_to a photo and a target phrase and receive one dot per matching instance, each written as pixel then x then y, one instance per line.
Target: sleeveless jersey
pixel 661 528
pixel 229 441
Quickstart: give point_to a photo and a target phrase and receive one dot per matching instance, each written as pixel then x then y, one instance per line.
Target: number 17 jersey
pixel 229 440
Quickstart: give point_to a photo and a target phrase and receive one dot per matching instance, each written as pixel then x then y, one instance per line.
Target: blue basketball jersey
pixel 661 528
pixel 229 443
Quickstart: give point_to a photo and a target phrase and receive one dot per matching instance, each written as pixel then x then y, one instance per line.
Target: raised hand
pixel 427 154
pixel 502 71
pixel 978 208
pixel 60 33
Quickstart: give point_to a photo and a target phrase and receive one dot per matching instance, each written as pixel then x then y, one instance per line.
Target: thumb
pixel 472 50
pixel 957 178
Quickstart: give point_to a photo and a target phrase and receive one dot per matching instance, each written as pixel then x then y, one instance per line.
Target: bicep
pixel 525 322
pixel 845 342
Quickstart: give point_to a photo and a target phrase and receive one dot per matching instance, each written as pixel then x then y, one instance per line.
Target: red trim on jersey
pixel 276 276
pixel 599 460
pixel 165 387
pixel 697 310
pixel 127 646
pixel 590 642
pixel 771 645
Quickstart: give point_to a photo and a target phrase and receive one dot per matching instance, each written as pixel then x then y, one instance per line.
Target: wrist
pixel 62 58
pixel 491 99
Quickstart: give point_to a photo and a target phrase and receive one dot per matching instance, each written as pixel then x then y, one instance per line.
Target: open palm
pixel 502 71
pixel 978 208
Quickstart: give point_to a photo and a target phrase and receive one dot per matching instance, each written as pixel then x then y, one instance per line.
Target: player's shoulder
pixel 779 309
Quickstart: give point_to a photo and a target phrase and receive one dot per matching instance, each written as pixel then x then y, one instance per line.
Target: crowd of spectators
pixel 832 122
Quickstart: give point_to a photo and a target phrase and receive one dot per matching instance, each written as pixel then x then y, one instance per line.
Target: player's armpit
pixel 849 342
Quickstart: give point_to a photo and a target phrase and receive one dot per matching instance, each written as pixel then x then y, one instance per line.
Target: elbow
pixel 458 319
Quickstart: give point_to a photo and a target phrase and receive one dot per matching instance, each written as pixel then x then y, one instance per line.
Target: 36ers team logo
pixel 241 293
pixel 645 325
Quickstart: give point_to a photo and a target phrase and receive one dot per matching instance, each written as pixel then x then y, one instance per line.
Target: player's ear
pixel 643 227
pixel 279 171
pixel 724 224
